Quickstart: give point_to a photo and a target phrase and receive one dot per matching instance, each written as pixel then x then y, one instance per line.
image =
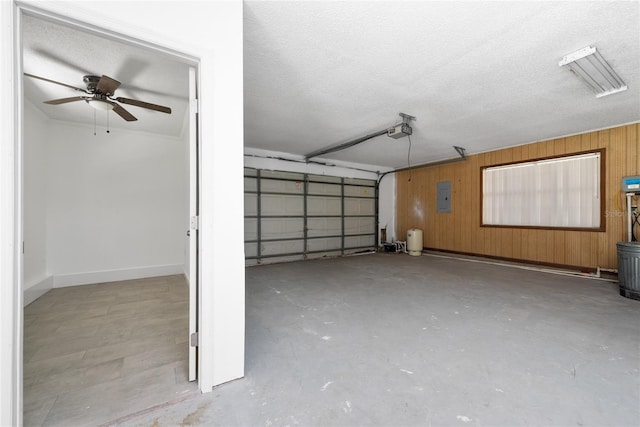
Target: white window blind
pixel 559 192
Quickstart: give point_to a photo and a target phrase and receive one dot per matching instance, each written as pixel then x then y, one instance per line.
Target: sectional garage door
pixel 291 216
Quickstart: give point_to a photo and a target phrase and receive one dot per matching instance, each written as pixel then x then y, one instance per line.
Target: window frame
pixel 603 222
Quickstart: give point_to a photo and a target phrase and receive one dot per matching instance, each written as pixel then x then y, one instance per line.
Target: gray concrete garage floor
pixel 390 339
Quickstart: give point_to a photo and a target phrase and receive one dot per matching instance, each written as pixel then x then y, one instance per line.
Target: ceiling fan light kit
pixel 100 95
pixel 99 104
pixel 594 70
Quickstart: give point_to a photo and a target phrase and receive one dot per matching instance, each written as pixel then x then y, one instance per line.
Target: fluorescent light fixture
pixel 590 66
pixel 99 104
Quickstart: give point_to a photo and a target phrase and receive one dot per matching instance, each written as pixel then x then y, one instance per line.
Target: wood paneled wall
pixel 460 230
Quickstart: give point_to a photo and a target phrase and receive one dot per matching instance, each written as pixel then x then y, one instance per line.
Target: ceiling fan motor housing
pixel 91 82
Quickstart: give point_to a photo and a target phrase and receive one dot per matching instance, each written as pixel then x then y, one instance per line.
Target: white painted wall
pixel 115 204
pixel 387 206
pixel 272 160
pixel 100 208
pixel 37 280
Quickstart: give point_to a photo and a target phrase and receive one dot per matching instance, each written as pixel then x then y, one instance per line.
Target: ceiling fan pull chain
pixel 107 121
pixel 94 122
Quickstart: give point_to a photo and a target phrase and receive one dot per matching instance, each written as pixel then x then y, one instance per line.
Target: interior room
pixel 408 213
pixel 106 210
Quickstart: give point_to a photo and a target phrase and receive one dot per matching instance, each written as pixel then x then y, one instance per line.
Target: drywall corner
pixel 387 206
pixel 36 289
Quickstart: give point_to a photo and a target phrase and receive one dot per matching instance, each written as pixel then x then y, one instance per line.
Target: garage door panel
pixel 358 181
pixel 315 245
pixel 358 191
pixel 250 184
pixel 279 186
pixel 325 178
pixel 250 249
pixel 282 228
pixel 317 188
pixel 275 220
pixel 358 241
pixel 283 247
pixel 324 227
pixel 359 206
pixel 359 225
pixel 250 229
pixel 291 176
pixel 278 204
pixel 250 204
pixel 317 205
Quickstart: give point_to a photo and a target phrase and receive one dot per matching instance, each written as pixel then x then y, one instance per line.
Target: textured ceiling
pixel 65 55
pixel 481 75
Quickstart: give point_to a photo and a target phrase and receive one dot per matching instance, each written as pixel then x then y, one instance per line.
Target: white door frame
pixel 192 241
pixel 14 385
pixel 10 223
pixel 212 32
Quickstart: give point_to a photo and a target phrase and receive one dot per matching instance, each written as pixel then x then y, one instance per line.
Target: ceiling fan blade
pixel 65 100
pixel 107 85
pixel 53 81
pixel 123 113
pixel 143 104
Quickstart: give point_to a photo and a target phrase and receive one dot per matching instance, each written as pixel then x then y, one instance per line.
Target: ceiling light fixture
pixel 99 104
pixel 593 69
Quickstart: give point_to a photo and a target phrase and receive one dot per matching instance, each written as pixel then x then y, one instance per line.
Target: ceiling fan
pixel 100 95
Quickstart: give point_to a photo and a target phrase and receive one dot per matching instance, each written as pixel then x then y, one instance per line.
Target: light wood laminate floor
pixel 98 352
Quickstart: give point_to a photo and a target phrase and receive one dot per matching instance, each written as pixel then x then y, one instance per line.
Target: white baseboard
pixel 77 279
pixel 35 290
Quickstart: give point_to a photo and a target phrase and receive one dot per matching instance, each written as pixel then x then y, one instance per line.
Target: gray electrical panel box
pixel 444 197
pixel 631 184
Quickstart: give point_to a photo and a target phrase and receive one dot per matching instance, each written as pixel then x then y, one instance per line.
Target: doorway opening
pixel 80 171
